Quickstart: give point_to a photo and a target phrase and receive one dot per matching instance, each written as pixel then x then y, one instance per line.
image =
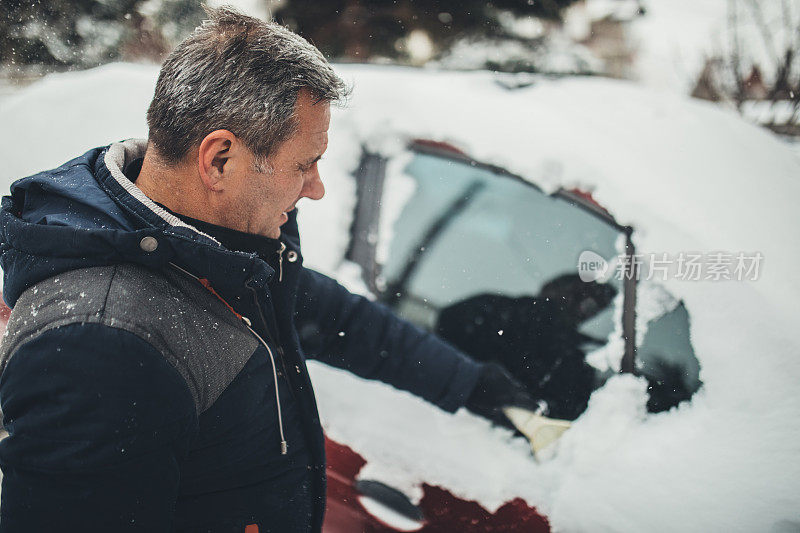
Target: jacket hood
pixel 88 213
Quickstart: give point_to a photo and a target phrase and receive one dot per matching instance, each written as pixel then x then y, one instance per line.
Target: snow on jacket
pixel 141 359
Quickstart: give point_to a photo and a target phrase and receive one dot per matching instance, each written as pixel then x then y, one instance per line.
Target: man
pixel 153 375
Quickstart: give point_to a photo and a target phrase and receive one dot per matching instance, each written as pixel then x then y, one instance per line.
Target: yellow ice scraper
pixel 540 430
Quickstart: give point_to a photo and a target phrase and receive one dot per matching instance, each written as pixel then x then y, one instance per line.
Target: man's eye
pixel 306 168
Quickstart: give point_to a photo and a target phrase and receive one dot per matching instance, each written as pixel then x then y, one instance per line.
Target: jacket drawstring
pixel 280 261
pixel 284 445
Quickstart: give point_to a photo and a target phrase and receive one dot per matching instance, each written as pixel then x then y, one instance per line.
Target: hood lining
pixel 116 157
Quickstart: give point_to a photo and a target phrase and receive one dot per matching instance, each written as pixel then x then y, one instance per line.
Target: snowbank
pixel 689 176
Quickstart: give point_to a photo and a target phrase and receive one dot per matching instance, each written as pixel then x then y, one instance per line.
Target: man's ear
pixel 212 158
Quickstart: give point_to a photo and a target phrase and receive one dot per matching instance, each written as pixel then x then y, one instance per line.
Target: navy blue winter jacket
pixel 140 367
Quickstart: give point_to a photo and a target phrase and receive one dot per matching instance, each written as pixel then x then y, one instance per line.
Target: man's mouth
pixel 290 209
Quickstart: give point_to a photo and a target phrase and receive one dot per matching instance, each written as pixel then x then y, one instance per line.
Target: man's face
pixel 262 199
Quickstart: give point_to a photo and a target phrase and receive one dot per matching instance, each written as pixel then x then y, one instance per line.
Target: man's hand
pixel 502 399
pixel 497 389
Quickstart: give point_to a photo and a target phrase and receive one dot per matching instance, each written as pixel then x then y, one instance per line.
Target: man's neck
pixel 172 187
pixel 168 187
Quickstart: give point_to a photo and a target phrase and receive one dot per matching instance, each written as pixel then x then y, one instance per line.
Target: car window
pixel 490 263
pixel 665 356
pixel 496 234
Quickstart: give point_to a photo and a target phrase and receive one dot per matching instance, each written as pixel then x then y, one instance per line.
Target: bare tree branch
pixel 769 44
pixel 733 26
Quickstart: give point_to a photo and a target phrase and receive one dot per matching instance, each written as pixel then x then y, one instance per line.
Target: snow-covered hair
pixel 237 73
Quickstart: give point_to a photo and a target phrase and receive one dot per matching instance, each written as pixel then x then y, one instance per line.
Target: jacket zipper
pixel 277 335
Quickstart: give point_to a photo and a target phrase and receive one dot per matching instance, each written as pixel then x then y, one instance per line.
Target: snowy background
pixel 689 175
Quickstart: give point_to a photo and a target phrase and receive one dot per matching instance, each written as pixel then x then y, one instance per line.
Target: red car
pixel 372 507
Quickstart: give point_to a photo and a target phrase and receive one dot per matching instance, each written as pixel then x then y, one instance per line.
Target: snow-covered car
pixel 490 262
pixel 447 186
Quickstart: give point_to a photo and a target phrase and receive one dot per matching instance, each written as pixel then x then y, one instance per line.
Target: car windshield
pixel 490 263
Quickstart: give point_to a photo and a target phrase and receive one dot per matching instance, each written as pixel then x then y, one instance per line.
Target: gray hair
pixel 237 73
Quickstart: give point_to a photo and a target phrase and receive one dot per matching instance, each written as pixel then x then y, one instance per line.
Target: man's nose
pixel 313 187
